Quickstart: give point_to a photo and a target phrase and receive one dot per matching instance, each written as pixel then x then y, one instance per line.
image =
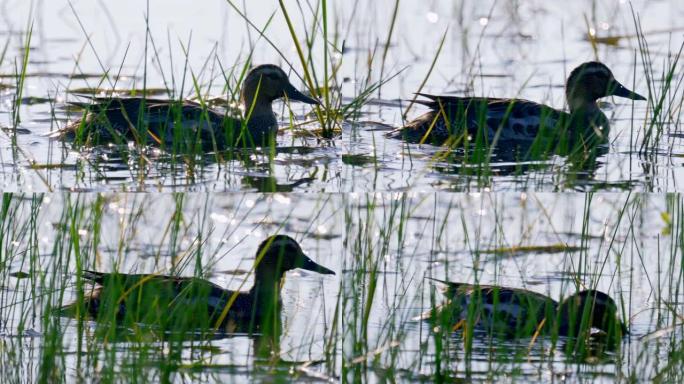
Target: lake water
pixel 521 49
pixel 383 214
pixel 384 246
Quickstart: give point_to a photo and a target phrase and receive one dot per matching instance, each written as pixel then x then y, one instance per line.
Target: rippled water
pixel 395 222
pixel 621 245
pixel 522 49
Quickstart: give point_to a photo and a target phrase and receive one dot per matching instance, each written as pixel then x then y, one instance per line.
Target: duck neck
pixel 574 316
pixel 266 293
pixel 587 118
pixel 261 121
pixel 266 298
pixel 580 104
pixel 257 107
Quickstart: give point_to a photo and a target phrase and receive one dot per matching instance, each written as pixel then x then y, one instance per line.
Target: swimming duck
pixel 514 312
pixel 187 303
pixel 522 121
pixel 163 122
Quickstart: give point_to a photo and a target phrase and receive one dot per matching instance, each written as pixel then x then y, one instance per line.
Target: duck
pixel 189 303
pixel 521 122
pixel 165 122
pixel 515 312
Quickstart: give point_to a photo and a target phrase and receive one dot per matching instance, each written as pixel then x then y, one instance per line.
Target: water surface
pixel 521 49
pixel 382 248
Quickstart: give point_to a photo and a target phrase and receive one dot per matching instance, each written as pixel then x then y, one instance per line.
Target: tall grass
pixel 369 333
pixel 389 242
pixel 663 89
pixel 383 244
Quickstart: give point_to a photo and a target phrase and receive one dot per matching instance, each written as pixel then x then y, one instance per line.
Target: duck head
pixel 278 254
pixel 590 309
pixel 266 83
pixel 591 81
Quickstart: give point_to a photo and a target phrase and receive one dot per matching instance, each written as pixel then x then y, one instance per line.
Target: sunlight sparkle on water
pixel 219 218
pixel 322 229
pixel 282 199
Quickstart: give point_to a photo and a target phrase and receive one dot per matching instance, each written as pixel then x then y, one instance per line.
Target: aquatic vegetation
pixel 173 302
pixel 163 101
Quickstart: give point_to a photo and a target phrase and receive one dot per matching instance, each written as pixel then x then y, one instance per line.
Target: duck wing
pixel 163 121
pixel 112 119
pixel 508 311
pixel 512 119
pixel 98 104
pixel 128 279
pixel 150 298
pixel 515 119
pixel 129 108
pixel 131 280
pixel 173 285
pixel 436 102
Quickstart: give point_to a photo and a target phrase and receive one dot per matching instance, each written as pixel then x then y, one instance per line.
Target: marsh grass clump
pixel 662 88
pixel 168 326
pixel 61 319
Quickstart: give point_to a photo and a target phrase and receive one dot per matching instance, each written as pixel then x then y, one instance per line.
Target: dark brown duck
pixel 516 121
pixel 188 303
pixel 169 122
pixel 514 312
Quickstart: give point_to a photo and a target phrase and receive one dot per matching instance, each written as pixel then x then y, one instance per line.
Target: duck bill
pixel 293 94
pixel 310 265
pixel 622 91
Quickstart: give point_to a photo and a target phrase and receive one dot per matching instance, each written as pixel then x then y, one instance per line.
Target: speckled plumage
pixel 516 312
pixel 515 121
pixel 188 124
